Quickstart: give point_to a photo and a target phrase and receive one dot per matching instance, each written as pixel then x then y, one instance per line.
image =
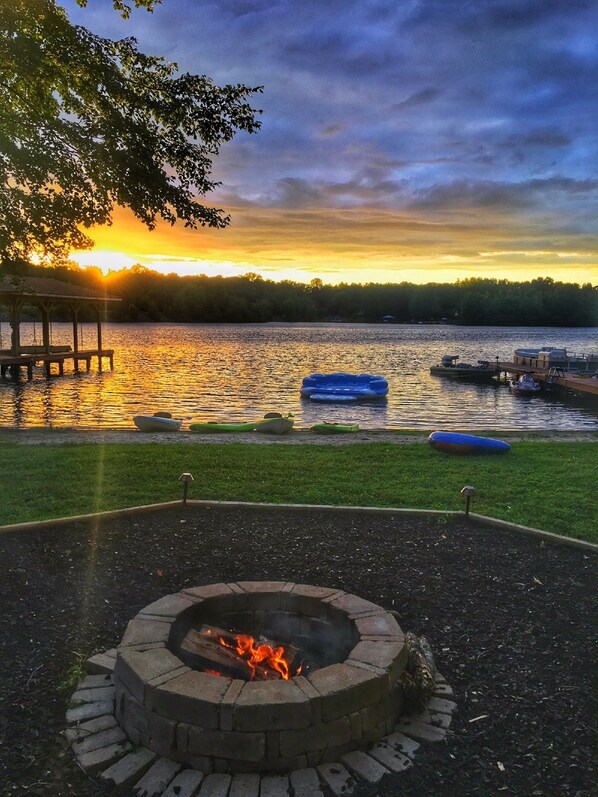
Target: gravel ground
pixel 60 436
pixel 512 622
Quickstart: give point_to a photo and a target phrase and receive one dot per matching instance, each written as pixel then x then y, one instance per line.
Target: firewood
pixel 213 631
pixel 202 653
pixel 202 650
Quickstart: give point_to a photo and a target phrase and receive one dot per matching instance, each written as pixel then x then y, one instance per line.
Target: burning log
pixel 236 655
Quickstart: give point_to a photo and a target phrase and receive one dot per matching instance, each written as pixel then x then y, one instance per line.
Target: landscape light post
pixel 185 478
pixel 468 491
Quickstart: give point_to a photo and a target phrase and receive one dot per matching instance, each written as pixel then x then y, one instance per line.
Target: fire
pixel 216 672
pixel 260 654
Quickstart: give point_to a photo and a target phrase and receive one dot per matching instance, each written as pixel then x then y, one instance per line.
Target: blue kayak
pixel 457 443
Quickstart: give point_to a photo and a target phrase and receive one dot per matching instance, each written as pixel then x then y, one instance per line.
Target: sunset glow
pixel 400 142
pixel 281 246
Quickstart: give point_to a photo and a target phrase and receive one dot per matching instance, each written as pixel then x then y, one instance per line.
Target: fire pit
pixel 190 685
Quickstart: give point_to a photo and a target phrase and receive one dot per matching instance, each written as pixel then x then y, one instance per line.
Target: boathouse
pixel 20 292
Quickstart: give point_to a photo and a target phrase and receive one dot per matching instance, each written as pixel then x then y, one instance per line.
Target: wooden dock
pixel 11 364
pixel 577 381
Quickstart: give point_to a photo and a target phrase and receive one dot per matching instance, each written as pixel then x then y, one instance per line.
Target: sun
pixel 104 259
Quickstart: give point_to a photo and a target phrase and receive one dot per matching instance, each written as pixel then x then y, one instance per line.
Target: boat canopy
pixel 551 351
pixel 448 360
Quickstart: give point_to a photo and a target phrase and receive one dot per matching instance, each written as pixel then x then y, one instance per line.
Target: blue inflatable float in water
pixel 457 443
pixel 341 388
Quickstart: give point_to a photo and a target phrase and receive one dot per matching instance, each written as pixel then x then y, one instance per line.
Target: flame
pixel 216 672
pixel 255 655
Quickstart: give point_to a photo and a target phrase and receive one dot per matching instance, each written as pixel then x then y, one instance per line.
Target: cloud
pixel 333 129
pixel 422 129
pixel 422 97
pixel 542 137
pixel 530 194
pixel 514 14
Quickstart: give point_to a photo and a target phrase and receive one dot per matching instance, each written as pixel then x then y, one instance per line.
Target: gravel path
pixel 512 622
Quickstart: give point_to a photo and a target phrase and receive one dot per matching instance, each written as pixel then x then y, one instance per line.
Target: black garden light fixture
pixel 185 478
pixel 468 491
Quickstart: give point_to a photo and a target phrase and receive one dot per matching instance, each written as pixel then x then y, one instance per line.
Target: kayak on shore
pixel 215 427
pixel 457 443
pixel 275 423
pixel 334 428
pixel 159 422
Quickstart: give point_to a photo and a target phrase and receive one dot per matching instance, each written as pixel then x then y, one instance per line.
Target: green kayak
pixel 334 428
pixel 213 426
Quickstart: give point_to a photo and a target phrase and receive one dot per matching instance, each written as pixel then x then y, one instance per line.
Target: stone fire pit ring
pixel 216 724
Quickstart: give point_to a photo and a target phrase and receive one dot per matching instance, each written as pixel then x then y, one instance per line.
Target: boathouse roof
pixel 44 288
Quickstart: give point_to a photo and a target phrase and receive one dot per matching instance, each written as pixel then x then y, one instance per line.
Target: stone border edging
pixel 33 525
pixel 529 531
pixel 103 750
pixel 484 520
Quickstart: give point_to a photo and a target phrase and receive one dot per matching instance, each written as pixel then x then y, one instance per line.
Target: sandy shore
pixel 69 436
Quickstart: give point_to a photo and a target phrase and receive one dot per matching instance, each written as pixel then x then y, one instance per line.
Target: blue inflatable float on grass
pixel 457 443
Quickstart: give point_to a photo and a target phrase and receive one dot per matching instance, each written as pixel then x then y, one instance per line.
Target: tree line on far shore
pixel 150 296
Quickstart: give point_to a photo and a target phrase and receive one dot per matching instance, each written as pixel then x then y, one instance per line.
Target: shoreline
pixel 56 436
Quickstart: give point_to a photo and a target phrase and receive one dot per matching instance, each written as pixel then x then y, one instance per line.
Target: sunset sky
pixel 419 140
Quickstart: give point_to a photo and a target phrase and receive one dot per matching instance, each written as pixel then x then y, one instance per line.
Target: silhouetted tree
pixel 86 123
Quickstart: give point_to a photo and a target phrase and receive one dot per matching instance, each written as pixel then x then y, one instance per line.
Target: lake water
pixel 239 372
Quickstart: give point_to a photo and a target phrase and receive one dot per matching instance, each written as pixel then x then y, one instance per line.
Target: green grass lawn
pixel 549 485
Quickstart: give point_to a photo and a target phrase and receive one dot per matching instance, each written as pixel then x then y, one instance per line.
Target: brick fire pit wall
pixel 217 724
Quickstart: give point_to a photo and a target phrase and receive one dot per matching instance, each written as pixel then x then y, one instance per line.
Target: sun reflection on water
pixel 239 372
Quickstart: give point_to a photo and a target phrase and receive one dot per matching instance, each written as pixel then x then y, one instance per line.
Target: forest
pixel 148 295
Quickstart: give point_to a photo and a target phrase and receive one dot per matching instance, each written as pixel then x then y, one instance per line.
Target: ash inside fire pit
pixel 346 695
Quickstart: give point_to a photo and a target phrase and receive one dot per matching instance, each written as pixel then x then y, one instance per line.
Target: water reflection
pixel 47 413
pixel 19 406
pixel 237 372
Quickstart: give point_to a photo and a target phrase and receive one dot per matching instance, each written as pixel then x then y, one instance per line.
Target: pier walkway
pixel 579 381
pixel 11 364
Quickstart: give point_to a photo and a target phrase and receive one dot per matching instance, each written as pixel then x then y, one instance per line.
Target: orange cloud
pixel 351 245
